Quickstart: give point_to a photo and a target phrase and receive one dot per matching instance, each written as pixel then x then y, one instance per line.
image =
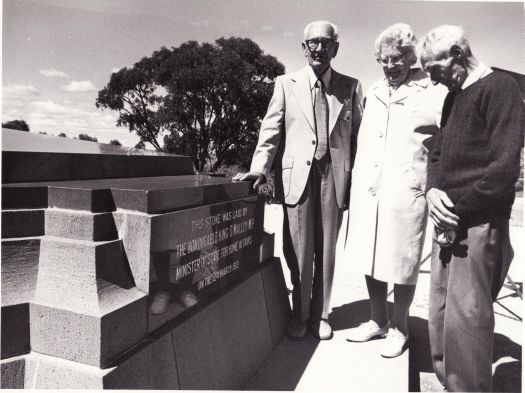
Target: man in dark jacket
pixel 472 170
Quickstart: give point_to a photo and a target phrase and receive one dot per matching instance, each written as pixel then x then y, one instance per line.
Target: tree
pixel 205 100
pixel 62 135
pixel 217 95
pixel 140 145
pixel 86 137
pixel 132 92
pixel 19 125
pixel 115 142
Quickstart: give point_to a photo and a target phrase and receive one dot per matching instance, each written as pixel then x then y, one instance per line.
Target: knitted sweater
pixel 475 157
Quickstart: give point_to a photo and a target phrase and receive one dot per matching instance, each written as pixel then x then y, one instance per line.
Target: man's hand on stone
pixel 439 206
pixel 257 176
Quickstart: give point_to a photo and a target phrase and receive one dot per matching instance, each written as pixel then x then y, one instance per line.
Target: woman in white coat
pixel 388 211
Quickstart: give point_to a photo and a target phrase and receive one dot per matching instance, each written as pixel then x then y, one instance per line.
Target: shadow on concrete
pixel 506 357
pixel 284 368
pixel 419 360
pixel 352 314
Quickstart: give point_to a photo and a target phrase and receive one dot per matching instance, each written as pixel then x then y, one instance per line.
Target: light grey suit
pixel 314 193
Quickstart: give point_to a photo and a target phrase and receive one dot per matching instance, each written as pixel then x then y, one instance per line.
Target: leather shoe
pixel 322 329
pixel 296 329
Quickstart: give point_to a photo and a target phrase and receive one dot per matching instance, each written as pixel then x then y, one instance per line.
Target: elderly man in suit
pixel 310 130
pixel 473 166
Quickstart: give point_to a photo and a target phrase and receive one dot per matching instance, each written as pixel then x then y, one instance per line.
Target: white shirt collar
pixel 326 78
pixel 479 72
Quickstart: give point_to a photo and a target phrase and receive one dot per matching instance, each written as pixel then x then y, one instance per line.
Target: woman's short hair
pixel 441 39
pixel 400 36
pixel 333 27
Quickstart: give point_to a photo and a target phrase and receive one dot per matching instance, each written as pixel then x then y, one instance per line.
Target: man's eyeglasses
pixel 314 43
pixel 395 60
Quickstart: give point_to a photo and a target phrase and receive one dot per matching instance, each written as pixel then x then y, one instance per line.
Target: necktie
pixel 321 120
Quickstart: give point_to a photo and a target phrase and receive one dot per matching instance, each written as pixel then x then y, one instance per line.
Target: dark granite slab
pixel 145 194
pixel 30 157
pixel 41 166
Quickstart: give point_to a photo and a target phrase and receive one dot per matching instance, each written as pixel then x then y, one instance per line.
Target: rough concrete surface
pixel 13 373
pixel 276 296
pixel 47 372
pixel 153 367
pixel 80 225
pixel 19 274
pixel 19 269
pixel 222 345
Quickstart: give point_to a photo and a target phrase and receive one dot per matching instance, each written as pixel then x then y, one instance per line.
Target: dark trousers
pixel 465 281
pixel 309 236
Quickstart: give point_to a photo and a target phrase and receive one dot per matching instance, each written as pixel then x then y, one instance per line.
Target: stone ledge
pixel 80 225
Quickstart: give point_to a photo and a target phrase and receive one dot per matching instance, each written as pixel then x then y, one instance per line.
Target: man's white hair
pixel 400 36
pixel 440 40
pixel 333 27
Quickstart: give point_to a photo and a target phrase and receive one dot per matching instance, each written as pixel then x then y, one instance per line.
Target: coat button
pixel 372 191
pixel 313 142
pixel 380 134
pixel 375 163
pixel 308 163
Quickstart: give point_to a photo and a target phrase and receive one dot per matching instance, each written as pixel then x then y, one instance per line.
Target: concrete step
pixel 19 274
pixel 80 225
pixel 94 314
pixel 23 223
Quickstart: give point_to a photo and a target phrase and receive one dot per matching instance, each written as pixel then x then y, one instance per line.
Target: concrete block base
pixel 219 346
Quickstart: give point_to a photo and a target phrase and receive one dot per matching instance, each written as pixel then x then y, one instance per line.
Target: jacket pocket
pixel 286 174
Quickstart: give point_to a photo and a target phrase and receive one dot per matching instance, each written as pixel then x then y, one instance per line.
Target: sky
pixel 57 54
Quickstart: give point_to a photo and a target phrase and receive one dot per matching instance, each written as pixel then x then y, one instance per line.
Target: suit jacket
pixel 288 134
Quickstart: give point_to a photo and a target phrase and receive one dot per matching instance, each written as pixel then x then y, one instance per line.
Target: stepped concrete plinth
pixel 123 269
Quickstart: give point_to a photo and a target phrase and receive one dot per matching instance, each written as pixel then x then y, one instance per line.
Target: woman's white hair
pixel 400 36
pixel 440 40
pixel 333 27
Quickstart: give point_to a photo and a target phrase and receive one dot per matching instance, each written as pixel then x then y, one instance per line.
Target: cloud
pixel 19 92
pixel 53 73
pixel 79 86
pixel 48 108
pixel 288 34
pixel 266 28
pixel 115 69
pixel 201 23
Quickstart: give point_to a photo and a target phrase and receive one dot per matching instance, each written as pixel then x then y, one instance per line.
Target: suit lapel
pixel 301 91
pixel 335 100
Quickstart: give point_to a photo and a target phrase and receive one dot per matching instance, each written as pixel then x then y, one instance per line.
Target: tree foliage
pixel 62 135
pixel 203 100
pixel 86 137
pixel 19 125
pixel 115 142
